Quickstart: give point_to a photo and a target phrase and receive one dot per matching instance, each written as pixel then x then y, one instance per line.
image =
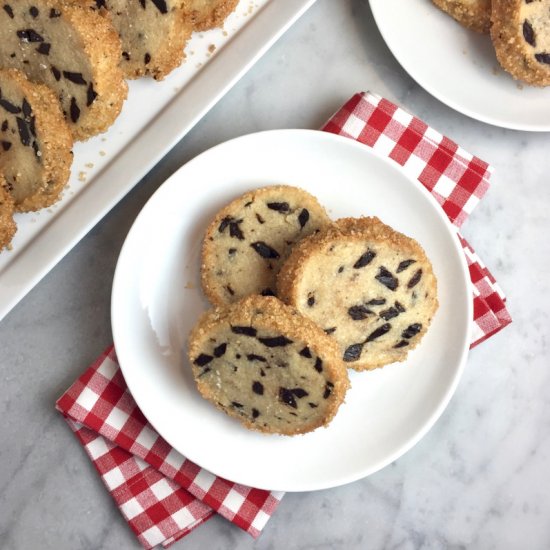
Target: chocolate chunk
pixel 247 331
pixel 54 13
pixel 91 95
pixel 299 392
pixel 529 33
pixel 330 330
pixel 254 357
pixel 8 10
pixel 232 251
pixel 237 404
pixel 377 302
pixel 313 405
pixel 10 107
pixel 303 217
pixel 543 58
pixel 161 5
pixel 203 360
pixel 24 133
pixel 205 371
pixel 401 344
pixel 267 292
pixel 56 73
pixel 311 301
pixel 399 307
pixel 389 313
pixel 224 223
pixel 275 342
pixel 286 396
pixel 4 125
pixel 386 278
pixel 44 48
pixel 235 230
pixel 34 12
pixel 260 219
pixel 74 110
pixel 147 58
pixel 279 206
pixel 411 330
pixel 404 264
pixel 306 353
pixel 125 55
pixel 255 413
pixel 26 108
pixel 380 331
pixel 29 35
pixel 230 290
pixel 340 269
pixel 415 279
pixel 318 365
pixel 220 350
pixel 6 145
pixel 353 352
pixel 142 2
pixel 264 250
pixel 358 313
pixel 36 149
pixel 328 390
pixel 77 78
pixel 258 387
pixel 365 259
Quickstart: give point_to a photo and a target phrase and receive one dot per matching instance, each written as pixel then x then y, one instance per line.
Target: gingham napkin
pixel 161 494
pixel 457 179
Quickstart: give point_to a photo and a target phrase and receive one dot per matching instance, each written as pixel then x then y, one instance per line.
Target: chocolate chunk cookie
pixel 207 14
pixel 249 239
pixel 73 50
pixel 473 14
pixel 521 36
pixel 7 224
pixel 262 363
pixel 153 35
pixel 371 288
pixel 35 142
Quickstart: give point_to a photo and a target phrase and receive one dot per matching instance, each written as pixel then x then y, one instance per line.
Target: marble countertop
pixel 479 479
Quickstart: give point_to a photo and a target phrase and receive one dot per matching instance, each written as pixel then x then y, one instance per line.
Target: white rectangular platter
pixel 154 118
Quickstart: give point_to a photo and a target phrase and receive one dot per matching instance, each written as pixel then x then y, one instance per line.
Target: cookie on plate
pixel 73 50
pixel 371 288
pixel 35 142
pixel 207 14
pixel 262 363
pixel 521 36
pixel 153 35
pixel 7 224
pixel 473 14
pixel 250 238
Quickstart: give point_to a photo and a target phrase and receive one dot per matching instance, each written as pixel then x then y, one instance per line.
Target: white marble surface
pixel 479 479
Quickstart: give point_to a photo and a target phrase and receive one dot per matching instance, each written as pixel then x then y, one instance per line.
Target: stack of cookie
pixel 63 65
pixel 519 31
pixel 298 299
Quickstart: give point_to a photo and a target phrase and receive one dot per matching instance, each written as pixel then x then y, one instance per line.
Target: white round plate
pixel 157 299
pixel 458 66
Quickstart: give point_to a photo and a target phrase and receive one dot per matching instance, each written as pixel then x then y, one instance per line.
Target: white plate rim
pixel 433 90
pixel 124 359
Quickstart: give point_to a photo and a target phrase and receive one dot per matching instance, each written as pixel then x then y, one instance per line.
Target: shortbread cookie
pixel 261 362
pixel 207 14
pixel 371 288
pixel 7 224
pixel 73 50
pixel 35 142
pixel 473 14
pixel 521 36
pixel 153 35
pixel 250 238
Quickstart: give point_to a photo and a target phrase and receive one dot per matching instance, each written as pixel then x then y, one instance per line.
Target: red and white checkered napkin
pixel 457 179
pixel 161 494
